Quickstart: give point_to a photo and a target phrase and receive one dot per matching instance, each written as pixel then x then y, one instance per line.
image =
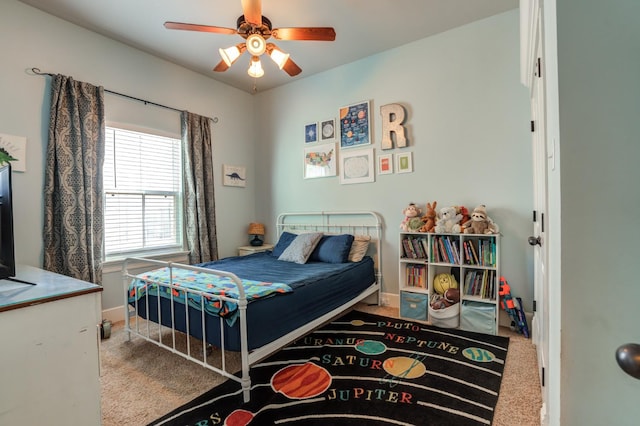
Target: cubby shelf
pixel 473 259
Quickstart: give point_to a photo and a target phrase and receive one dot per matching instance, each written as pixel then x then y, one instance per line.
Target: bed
pixel 322 265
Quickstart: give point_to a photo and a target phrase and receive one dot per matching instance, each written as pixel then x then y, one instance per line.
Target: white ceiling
pixel 363 28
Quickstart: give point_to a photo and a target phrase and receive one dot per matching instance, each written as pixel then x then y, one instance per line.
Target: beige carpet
pixel 141 382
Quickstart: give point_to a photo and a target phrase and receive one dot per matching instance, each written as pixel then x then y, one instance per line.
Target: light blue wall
pixel 467 119
pixel 599 85
pixel 468 122
pixel 30 38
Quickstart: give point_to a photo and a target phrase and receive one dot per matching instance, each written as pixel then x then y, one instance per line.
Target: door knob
pixel 535 241
pixel 628 357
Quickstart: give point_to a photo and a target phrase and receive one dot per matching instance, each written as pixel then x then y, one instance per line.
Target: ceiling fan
pixel 256 29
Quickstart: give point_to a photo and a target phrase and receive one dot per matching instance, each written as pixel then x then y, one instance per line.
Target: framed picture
pixel 234 175
pixel 355 125
pixel 404 163
pixel 385 164
pixel 311 133
pixel 356 166
pixel 327 130
pixel 320 161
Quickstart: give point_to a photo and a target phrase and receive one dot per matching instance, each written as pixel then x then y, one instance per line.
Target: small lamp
pixel 256 230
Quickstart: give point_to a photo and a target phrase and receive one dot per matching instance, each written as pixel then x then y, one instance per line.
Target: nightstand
pixel 245 250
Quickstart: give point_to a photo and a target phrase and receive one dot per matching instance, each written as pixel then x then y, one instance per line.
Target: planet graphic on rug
pixel 371 347
pixel 404 367
pixel 301 381
pixel 239 418
pixel 479 355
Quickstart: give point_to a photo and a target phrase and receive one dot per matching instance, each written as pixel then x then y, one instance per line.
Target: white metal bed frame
pixel 352 222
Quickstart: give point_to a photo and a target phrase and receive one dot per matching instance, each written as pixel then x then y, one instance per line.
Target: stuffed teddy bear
pixel 429 218
pixel 448 221
pixel 480 223
pixel 411 220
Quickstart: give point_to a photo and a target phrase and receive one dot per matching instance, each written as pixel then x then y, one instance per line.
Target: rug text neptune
pixel 389 336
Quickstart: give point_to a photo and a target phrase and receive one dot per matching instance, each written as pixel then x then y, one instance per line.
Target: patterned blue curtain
pixel 200 216
pixel 73 203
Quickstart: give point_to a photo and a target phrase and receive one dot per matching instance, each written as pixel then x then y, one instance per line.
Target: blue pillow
pixel 333 249
pixel 285 239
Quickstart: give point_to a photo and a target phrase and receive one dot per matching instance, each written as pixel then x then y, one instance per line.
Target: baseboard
pixel 390 299
pixel 114 314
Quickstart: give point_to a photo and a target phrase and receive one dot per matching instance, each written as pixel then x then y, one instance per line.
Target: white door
pixel 540 323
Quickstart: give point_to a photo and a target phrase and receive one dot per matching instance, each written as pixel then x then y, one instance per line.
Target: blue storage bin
pixel 477 316
pixel 413 305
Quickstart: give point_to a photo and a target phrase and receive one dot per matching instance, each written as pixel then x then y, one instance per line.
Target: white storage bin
pixel 447 317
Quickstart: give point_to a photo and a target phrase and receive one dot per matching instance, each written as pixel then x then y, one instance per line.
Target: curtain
pixel 200 218
pixel 73 203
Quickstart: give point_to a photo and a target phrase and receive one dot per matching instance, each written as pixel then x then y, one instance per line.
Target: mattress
pixel 317 288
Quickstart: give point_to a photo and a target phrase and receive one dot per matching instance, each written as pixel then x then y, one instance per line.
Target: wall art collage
pixel 351 136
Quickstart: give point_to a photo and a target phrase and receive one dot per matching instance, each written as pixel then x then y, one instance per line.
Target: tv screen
pixel 7 259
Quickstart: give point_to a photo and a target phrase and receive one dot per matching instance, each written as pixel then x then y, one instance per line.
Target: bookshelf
pixel 474 260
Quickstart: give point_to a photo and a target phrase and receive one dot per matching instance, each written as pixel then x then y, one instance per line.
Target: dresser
pixel 49 362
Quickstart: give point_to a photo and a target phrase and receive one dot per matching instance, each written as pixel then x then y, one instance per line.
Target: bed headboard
pixel 356 223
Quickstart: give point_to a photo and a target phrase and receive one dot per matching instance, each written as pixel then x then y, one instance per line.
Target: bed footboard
pixel 195 301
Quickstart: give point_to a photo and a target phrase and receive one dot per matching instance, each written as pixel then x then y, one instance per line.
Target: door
pixel 540 322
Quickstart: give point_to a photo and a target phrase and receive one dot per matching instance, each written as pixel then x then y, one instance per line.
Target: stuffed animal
pixel 429 218
pixel 449 298
pixel 466 217
pixel 411 222
pixel 448 221
pixel 480 223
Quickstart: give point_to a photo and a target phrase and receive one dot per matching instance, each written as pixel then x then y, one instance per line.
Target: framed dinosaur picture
pixel 234 175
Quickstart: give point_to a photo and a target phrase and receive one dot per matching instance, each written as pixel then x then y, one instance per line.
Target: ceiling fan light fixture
pixel 277 55
pixel 231 54
pixel 256 44
pixel 255 69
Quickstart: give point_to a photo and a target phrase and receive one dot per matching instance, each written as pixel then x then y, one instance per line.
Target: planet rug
pixel 363 369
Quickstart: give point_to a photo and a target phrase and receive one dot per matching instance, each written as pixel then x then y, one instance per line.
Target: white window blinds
pixel 143 193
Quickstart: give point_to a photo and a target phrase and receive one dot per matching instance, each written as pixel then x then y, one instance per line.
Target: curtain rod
pixel 144 101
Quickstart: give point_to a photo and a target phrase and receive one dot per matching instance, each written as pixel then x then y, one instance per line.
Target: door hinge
pixel 535 216
pixel 534 306
pixel 533 126
pixel 542 376
pixel 542 221
pixel 539 68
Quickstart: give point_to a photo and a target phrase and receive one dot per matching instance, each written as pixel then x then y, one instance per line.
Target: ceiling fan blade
pixel 291 68
pixel 304 33
pixel 252 10
pixel 221 67
pixel 202 28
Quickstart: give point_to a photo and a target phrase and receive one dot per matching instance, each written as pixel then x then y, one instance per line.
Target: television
pixel 7 256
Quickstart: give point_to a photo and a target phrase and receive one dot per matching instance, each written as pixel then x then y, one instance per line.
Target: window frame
pixel 175 252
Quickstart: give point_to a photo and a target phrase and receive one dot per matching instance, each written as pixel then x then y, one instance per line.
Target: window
pixel 143 194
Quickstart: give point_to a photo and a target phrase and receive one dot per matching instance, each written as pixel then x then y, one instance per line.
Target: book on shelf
pixel 455 249
pixel 408 250
pixel 444 254
pixel 474 253
pixel 417 247
pixel 416 276
pixel 425 246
